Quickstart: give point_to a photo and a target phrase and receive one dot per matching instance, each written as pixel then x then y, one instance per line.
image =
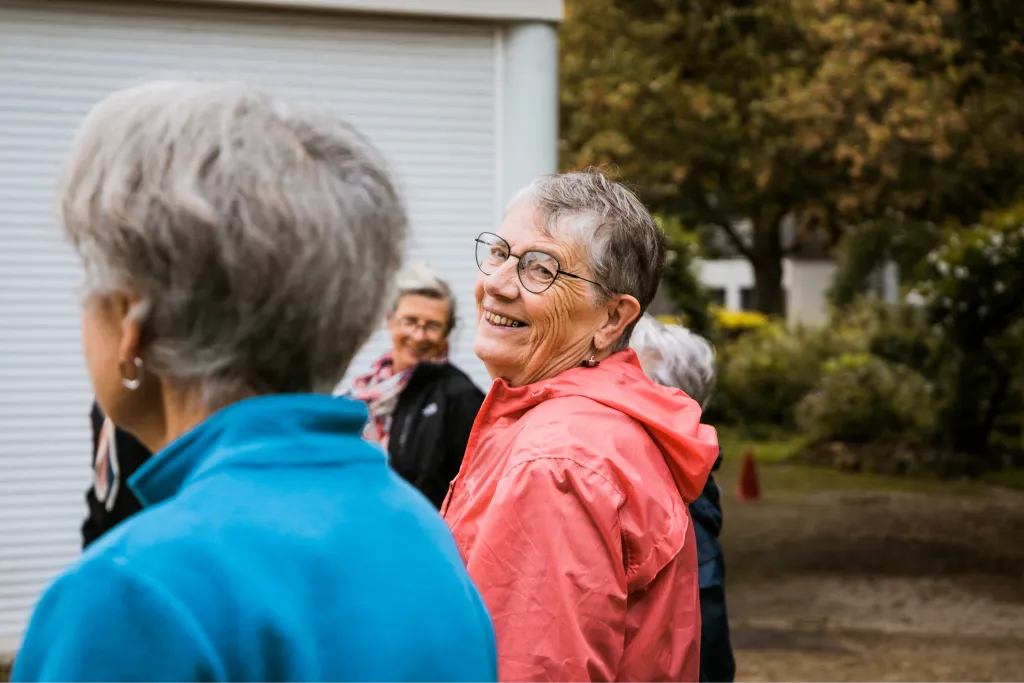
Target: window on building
pixel 717 295
pixel 746 298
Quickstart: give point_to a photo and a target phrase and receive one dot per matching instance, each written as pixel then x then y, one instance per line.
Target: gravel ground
pixel 826 584
pixel 868 656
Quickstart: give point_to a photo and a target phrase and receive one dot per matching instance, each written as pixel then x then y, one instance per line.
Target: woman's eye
pixel 542 272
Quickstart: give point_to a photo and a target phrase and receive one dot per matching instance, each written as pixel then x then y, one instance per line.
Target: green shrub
pixel 764 373
pixel 864 398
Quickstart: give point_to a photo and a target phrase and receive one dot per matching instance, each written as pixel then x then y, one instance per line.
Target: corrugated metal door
pixel 425 92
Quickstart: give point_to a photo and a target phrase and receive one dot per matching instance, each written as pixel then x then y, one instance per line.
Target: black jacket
pixel 431 426
pixel 717 662
pixel 109 499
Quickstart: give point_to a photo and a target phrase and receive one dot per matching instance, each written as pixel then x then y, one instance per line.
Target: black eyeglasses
pixel 537 271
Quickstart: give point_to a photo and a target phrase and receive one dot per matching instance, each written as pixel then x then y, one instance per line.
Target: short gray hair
pixel 422 280
pixel 262 239
pixel 680 358
pixel 619 239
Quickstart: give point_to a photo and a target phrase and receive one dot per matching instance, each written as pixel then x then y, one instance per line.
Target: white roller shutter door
pixel 425 92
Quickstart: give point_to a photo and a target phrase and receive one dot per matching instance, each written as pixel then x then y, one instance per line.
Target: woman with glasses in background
pixel 421 406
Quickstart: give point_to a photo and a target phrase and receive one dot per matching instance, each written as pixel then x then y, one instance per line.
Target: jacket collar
pixel 267 431
pixel 506 400
pixel 670 417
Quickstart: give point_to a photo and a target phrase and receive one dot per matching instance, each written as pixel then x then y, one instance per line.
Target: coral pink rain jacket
pixel 570 513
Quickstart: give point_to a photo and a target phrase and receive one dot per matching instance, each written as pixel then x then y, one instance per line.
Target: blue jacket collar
pixel 268 431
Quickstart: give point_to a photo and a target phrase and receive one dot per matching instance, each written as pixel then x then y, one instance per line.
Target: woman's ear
pixel 129 310
pixel 622 311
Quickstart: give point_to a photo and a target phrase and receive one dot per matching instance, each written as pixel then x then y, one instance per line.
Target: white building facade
pixel 805 285
pixel 459 95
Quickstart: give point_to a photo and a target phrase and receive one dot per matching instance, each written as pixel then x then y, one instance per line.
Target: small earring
pixel 132 383
pixel 590 363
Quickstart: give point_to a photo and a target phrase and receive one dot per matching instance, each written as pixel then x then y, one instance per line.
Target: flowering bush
pixel 973 284
pixel 972 288
pixel 730 324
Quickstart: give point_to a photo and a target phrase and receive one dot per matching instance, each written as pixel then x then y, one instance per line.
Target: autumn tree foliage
pixel 829 112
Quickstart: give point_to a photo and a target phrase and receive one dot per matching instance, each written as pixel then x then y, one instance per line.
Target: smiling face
pixel 524 337
pixel 419 327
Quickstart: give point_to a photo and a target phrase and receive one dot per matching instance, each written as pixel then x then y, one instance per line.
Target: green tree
pixel 690 296
pixel 826 111
pixel 973 288
pixel 864 248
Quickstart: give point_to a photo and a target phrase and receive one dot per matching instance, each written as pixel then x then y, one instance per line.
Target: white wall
pixel 732 275
pixel 500 10
pixel 805 284
pixel 528 108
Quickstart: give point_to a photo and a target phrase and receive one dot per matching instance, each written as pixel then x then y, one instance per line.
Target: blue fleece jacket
pixel 275 545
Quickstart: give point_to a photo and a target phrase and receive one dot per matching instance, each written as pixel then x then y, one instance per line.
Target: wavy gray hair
pixel 420 279
pixel 674 356
pixel 620 241
pixel 262 240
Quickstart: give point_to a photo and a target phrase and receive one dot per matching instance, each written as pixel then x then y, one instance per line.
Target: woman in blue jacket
pixel 237 252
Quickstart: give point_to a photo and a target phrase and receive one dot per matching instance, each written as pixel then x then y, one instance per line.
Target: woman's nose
pixel 504 282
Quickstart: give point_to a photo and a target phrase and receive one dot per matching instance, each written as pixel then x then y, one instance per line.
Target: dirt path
pixel 837 581
pixel 874 657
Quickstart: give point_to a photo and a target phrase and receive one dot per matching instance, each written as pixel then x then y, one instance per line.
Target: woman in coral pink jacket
pixel 571 505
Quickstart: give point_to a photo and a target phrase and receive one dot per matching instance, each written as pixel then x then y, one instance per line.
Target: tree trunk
pixel 769 296
pixel 981 386
pixel 964 418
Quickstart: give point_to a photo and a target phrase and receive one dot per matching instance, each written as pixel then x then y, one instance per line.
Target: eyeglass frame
pixel 519 258
pixel 413 324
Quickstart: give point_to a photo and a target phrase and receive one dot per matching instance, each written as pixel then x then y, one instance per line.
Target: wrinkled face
pixel 524 337
pixel 418 330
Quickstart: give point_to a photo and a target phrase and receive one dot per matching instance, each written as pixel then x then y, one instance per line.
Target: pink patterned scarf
pixel 380 390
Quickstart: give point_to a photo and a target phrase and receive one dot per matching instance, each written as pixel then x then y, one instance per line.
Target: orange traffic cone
pixel 749 489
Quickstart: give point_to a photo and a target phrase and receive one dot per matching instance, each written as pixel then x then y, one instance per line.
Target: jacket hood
pixel 670 417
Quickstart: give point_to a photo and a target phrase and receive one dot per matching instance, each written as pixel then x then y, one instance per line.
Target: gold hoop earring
pixel 131 383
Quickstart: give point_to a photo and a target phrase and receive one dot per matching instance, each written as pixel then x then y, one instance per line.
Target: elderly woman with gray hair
pixel 421 406
pixel 676 357
pixel 236 253
pixel 571 504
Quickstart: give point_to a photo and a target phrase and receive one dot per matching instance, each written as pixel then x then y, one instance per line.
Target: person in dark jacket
pixel 673 356
pixel 116 456
pixel 421 406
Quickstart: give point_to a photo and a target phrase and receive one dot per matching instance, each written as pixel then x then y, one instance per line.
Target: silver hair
pixel 261 239
pixel 620 241
pixel 422 280
pixel 676 357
